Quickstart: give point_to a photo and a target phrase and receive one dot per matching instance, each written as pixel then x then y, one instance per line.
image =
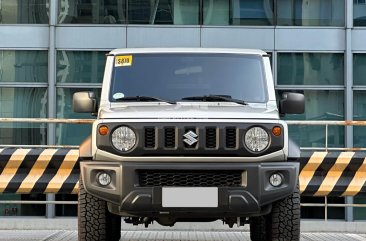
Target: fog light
pixel 103 179
pixel 276 180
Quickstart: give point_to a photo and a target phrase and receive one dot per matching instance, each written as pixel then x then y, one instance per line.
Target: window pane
pixel 359 13
pixel 319 105
pixel 139 12
pixel 25 209
pixel 319 212
pixel 66 210
pixel 22 12
pixel 238 12
pixel 65 133
pixel 23 66
pixel 359 113
pixel 23 103
pixel 359 213
pixel 80 66
pixel 163 12
pixel 92 12
pixel 310 69
pixel 359 70
pixel 311 12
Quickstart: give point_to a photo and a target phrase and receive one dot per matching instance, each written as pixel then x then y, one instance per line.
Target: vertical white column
pixel 51 128
pixel 348 64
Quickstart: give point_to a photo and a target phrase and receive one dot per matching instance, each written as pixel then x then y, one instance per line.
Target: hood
pixel 189 111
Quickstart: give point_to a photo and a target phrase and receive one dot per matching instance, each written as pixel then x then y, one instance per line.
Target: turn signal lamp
pixel 276 131
pixel 103 130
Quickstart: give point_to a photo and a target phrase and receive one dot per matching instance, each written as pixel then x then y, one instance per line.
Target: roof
pixel 187 50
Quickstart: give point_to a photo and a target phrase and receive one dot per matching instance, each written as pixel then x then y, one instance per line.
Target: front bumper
pixel 128 198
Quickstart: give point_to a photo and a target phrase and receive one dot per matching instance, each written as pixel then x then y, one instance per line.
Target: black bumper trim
pixel 256 196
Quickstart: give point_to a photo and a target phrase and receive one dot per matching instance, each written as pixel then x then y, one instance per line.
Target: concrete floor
pixel 67 235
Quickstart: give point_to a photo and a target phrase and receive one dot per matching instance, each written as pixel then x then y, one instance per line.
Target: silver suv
pixel 189 135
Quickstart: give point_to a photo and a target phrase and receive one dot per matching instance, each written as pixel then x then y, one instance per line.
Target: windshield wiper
pixel 226 98
pixel 144 98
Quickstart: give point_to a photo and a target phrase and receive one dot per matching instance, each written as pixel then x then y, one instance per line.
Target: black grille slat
pixel 158 178
pixel 169 137
pixel 210 137
pixel 149 137
pixel 230 138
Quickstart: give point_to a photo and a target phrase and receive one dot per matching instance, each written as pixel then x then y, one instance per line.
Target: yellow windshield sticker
pixel 122 61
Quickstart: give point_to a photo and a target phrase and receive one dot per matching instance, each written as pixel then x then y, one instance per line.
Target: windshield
pixel 175 76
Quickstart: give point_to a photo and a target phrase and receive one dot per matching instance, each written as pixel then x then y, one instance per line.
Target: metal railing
pixel 326 147
pixel 45 121
pixel 326 205
pixel 327 124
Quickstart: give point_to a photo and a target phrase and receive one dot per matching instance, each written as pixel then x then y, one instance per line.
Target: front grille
pixel 210 137
pixel 169 137
pixel 230 138
pixel 149 137
pixel 192 178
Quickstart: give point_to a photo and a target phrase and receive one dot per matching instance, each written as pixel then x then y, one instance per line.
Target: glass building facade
pixel 50 49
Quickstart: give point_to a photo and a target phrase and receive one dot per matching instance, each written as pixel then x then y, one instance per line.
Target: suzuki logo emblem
pixel 190 138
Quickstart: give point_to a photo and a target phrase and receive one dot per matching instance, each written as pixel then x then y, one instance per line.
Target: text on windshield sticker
pixel 122 61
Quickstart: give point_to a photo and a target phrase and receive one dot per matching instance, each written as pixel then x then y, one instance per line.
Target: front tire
pixel 95 222
pixel 282 224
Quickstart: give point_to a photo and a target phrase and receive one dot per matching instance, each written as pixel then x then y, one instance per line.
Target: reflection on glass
pixel 311 12
pixel 66 210
pixel 359 70
pixel 23 66
pixel 129 12
pixel 23 103
pixel 163 12
pixel 92 11
pixel 359 213
pixel 80 66
pixel 25 209
pixel 24 12
pixel 310 69
pixel 359 113
pixel 65 133
pixel 238 12
pixel 359 12
pixel 237 76
pixel 319 212
pixel 319 105
pixel 215 12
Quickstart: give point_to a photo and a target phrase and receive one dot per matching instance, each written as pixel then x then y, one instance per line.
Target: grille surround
pixel 175 145
pixel 190 178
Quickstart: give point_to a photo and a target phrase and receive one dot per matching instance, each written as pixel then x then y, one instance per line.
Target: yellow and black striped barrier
pixel 49 170
pixel 39 170
pixel 332 173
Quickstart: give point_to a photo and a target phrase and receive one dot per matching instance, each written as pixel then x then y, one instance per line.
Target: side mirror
pixel 84 102
pixel 292 103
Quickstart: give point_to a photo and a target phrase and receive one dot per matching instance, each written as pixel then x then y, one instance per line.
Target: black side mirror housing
pixel 84 102
pixel 292 103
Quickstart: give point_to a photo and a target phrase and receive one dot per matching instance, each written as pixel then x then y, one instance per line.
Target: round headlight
pixel 123 138
pixel 256 139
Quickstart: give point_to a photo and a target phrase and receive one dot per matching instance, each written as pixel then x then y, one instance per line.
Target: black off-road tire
pixel 94 220
pixel 282 224
pixel 258 228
